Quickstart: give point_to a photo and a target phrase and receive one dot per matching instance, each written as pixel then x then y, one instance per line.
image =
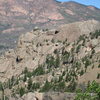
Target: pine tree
pixel 57 62
pixel 25 78
pixel 21 91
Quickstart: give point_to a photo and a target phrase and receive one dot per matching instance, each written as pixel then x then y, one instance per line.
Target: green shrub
pixel 78 48
pixel 99 66
pixel 35 86
pixel 60 86
pixel 96 34
pixel 81 38
pixel 65 57
pixel 38 71
pixel 60 78
pixel 50 61
pixel 9 84
pixel 53 62
pixel 57 61
pixel 87 63
pixel 68 77
pixel 98 76
pixel 25 78
pixel 55 51
pixel 91 88
pixel 72 86
pixel 29 74
pixel 25 70
pixel 82 72
pixel 1 86
pixel 21 91
pixel 29 87
pixel 47 86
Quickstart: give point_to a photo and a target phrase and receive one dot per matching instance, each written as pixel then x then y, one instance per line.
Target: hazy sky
pixel 95 3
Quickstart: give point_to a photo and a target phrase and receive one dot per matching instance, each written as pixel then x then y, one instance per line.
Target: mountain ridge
pixel 31 11
pixel 17 17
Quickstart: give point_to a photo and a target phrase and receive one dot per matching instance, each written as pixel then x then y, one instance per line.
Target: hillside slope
pixel 44 62
pixel 39 43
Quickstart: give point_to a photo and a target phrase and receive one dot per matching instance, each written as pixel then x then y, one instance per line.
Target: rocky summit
pixel 47 64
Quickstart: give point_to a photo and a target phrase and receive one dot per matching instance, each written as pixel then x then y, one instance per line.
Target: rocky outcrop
pixel 73 30
pixel 31 51
pixel 29 96
pixel 34 46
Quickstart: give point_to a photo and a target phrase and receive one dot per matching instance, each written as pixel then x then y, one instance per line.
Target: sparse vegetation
pixel 47 86
pixel 92 92
pixel 81 38
pixel 98 76
pixel 96 34
pixel 29 87
pixel 35 86
pixel 38 71
pixel 86 61
pixel 21 91
pixel 99 66
pixel 78 48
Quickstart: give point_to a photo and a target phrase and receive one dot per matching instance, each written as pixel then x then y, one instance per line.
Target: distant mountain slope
pixel 20 16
